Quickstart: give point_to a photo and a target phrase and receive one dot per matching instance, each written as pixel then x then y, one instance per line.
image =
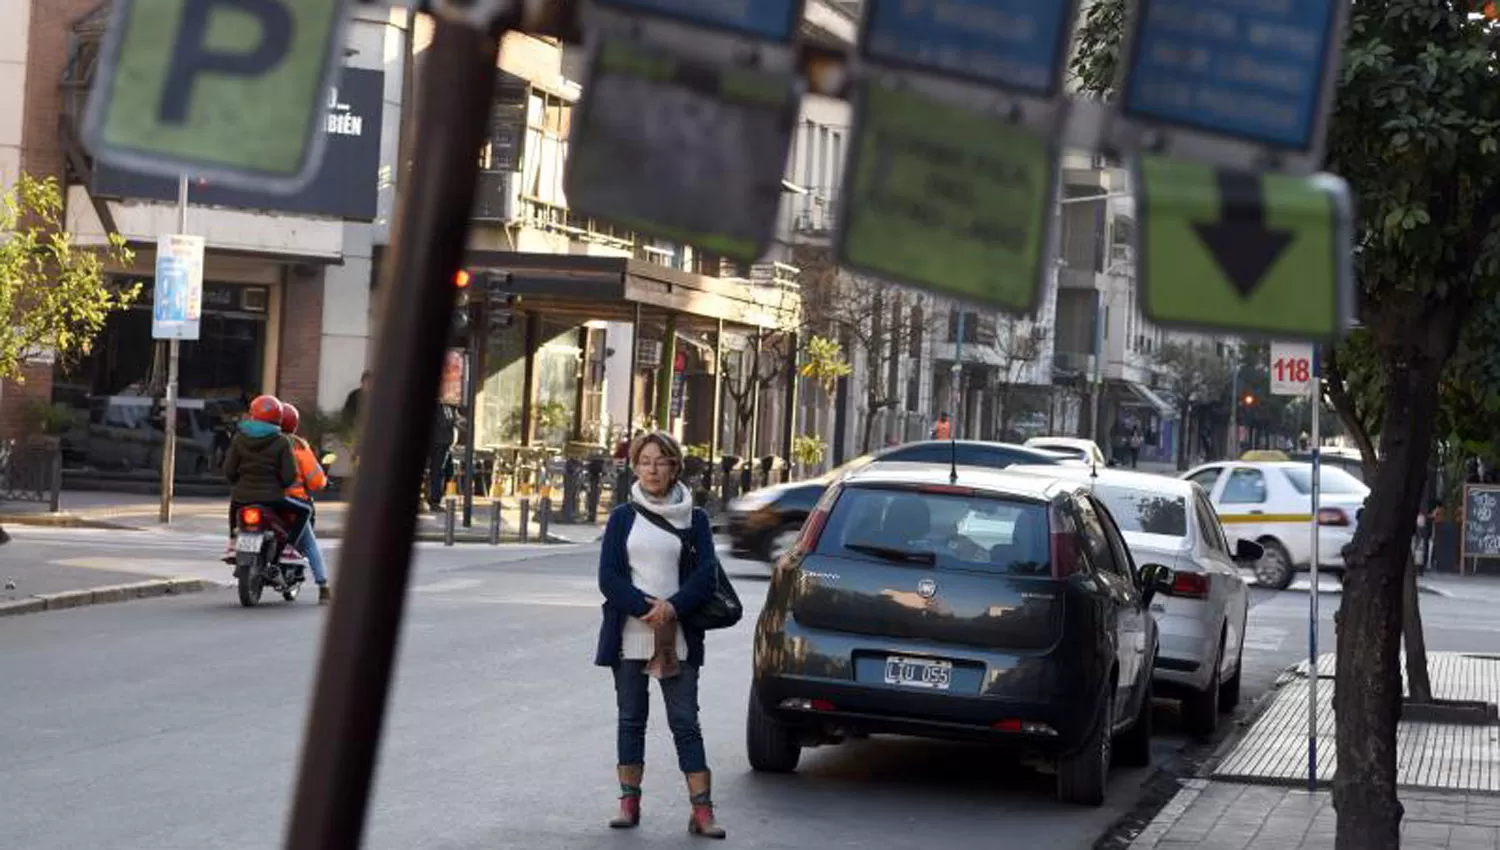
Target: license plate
pixel 250 543
pixel 919 673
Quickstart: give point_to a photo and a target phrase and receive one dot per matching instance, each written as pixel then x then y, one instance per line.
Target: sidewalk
pixel 198 515
pixel 1255 799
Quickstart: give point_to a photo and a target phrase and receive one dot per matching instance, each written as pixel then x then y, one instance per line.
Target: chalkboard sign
pixel 1481 521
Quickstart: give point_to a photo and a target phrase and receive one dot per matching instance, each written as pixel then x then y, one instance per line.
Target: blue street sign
pixel 1014 44
pixel 1250 70
pixel 774 20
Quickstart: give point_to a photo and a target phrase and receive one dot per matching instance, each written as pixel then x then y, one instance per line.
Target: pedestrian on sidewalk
pixel 445 427
pixel 653 573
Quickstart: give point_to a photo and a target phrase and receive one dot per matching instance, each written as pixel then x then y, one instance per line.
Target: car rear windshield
pixel 925 529
pixel 1144 511
pixel 1064 450
pixel 1331 479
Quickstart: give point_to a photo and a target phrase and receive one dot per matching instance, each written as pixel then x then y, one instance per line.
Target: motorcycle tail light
pixel 251 517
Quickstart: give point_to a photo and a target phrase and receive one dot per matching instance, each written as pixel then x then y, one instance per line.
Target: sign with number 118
pixel 1291 368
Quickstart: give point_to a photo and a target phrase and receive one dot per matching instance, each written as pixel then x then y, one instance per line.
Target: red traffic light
pixel 461 279
pixel 1249 399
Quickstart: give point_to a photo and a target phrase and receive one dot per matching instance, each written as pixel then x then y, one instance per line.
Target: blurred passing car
pixel 763 524
pixel 1271 504
pixel 996 607
pixel 1202 609
pixel 1073 448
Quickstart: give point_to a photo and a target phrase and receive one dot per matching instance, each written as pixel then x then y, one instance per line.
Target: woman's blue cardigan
pixel 623 599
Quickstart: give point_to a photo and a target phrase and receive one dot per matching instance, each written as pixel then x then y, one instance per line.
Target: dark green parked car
pixel 984 605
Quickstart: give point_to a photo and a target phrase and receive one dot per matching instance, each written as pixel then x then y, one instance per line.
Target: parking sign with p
pixel 233 89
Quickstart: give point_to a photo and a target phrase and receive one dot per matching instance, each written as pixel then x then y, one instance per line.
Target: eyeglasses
pixel 659 463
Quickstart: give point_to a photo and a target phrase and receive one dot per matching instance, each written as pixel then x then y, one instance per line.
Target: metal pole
pixel 1312 591
pixel 1099 332
pixel 955 392
pixel 471 387
pixel 1234 409
pixel 495 508
pixel 359 645
pixel 174 356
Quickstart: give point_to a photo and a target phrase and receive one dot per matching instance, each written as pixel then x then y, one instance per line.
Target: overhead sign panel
pixel 233 89
pixel 1258 71
pixel 948 200
pixel 773 20
pixel 1019 45
pixel 704 148
pixel 1263 254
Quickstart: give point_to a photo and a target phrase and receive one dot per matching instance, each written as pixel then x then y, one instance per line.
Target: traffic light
pixel 458 332
pixel 1249 400
pixel 500 303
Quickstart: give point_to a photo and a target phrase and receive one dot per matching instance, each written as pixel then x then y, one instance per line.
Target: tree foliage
pixel 54 298
pixel 1415 132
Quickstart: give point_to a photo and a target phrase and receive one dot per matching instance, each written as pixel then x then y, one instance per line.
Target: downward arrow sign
pixel 1240 241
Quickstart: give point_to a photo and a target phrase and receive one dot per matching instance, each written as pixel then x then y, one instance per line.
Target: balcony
pixel 809 219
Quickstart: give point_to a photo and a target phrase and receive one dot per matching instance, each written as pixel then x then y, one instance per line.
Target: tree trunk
pixel 868 429
pixel 1185 438
pixel 1367 694
pixel 4 537
pixel 1418 682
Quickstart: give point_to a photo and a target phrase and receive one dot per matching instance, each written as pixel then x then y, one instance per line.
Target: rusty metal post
pixel 359 642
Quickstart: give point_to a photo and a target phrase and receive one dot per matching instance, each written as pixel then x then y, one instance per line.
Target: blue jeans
pixel 309 546
pixel 633 696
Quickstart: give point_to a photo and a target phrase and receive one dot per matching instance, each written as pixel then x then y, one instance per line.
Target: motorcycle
pixel 259 545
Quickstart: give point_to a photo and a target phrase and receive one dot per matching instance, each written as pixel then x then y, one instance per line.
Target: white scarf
pixel 676 507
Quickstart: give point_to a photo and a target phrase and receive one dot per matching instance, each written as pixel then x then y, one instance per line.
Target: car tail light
pixel 251 517
pixel 812 530
pixel 1026 726
pixel 1333 516
pixel 1063 548
pixel 798 704
pixel 1189 585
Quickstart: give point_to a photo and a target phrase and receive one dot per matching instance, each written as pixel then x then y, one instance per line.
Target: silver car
pixel 1202 616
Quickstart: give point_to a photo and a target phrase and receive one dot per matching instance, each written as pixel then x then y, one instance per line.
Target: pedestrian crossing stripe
pixel 1245 519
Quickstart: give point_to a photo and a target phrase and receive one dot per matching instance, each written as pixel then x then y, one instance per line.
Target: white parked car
pixel 1073 448
pixel 1271 504
pixel 1201 617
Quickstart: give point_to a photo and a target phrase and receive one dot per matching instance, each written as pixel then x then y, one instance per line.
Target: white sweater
pixel 654 556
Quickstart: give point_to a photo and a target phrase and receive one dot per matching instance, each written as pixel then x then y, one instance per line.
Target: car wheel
pixel 1274 569
pixel 772 746
pixel 1200 710
pixel 1133 747
pixel 782 542
pixel 1081 777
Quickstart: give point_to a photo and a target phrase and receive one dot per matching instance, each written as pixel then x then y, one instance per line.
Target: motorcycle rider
pixel 310 479
pixel 260 465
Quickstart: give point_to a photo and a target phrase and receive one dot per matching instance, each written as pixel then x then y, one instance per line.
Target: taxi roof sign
pixel 229 89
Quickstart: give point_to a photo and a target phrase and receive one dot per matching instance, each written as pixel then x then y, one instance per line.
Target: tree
pixel 1414 132
pixel 1199 380
pixel 1013 352
pixel 53 294
pixel 880 323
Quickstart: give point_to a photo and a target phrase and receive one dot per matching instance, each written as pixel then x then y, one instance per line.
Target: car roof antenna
pixel 953 459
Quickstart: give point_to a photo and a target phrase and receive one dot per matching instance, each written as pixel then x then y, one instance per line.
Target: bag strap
pixel 661 522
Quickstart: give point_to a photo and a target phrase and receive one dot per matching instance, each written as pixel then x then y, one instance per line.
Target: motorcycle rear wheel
pixel 250 586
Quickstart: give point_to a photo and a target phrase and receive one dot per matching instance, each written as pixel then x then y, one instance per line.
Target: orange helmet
pixel 266 408
pixel 290 418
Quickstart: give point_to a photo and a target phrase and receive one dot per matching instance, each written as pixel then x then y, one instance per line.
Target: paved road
pixel 175 723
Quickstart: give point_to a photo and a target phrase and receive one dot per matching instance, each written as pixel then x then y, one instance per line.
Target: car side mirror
pixel 1248 550
pixel 1155 578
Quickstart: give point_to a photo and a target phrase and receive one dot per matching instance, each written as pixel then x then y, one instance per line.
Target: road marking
pixel 448 585
pixel 1264 639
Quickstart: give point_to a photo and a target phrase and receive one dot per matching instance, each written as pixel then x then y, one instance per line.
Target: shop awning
pixel 1149 396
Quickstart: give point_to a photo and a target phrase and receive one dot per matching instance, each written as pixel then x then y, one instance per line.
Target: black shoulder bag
pixel 723 608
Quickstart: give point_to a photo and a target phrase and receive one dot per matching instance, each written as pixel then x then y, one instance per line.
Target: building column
pixel 580 388
pixel 664 374
pixel 789 422
pixel 718 415
pixel 528 380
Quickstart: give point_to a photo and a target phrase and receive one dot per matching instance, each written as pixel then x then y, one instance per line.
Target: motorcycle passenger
pixel 260 465
pixel 310 479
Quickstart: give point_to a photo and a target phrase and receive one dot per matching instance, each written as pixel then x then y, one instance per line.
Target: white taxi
pixel 1271 504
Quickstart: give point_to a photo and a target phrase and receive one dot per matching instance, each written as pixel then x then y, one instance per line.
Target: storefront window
pixel 116 390
pixel 557 375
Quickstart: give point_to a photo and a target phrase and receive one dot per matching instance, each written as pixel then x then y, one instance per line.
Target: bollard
pixel 544 517
pixel 572 489
pixel 495 508
pixel 596 475
pixel 525 520
pixel 448 522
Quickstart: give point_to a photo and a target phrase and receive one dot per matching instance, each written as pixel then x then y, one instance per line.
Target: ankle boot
pixel 700 793
pixel 630 796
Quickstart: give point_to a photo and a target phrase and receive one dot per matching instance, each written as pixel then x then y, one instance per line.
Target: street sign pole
pixel 1312 590
pixel 174 353
pixel 956 393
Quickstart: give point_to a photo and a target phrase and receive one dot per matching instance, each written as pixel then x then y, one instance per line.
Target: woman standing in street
pixel 657 565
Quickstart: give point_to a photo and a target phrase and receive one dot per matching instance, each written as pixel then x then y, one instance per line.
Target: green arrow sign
pixel 1258 253
pixel 948 200
pixel 229 88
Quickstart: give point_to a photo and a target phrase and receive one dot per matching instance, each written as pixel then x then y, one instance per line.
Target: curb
pixel 62 520
pixel 103 595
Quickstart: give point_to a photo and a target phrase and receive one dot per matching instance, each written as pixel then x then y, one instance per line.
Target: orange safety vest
pixel 942 431
pixel 310 474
